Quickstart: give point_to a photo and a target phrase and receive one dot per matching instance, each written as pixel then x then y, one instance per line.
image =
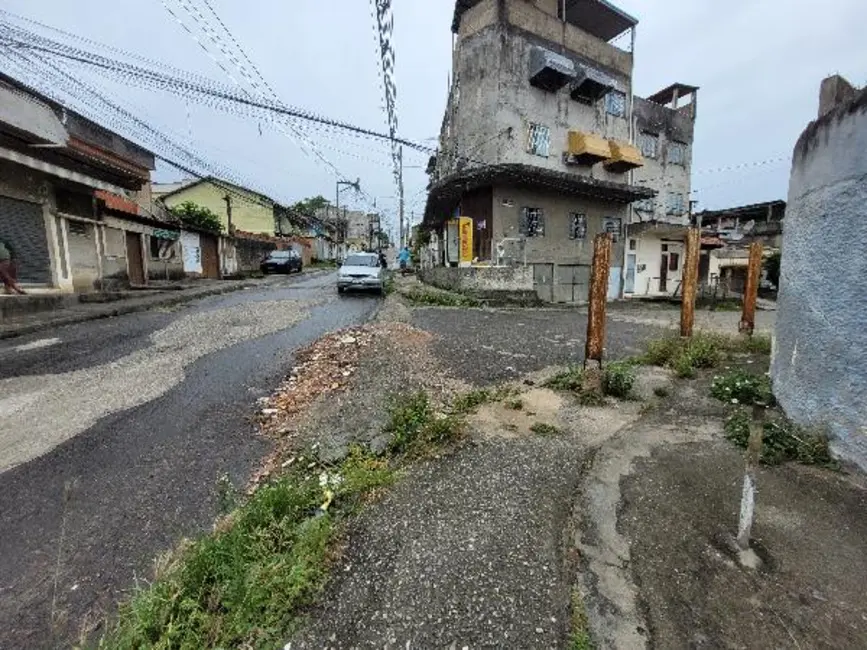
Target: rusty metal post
pixel 596 316
pixel 690 281
pixel 751 290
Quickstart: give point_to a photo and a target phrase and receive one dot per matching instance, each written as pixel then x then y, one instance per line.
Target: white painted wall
pixel 648 252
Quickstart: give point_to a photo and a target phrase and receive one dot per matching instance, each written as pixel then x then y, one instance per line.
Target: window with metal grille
pixel 649 144
pixel 676 153
pixel 676 204
pixel 645 205
pixel 615 103
pixel 577 225
pixel 532 222
pixel 614 226
pixel 538 139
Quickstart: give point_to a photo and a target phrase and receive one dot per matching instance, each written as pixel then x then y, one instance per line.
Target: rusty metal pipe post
pixel 596 315
pixel 690 281
pixel 751 290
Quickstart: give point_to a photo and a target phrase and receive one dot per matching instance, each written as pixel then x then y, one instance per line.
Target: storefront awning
pixel 444 195
pixel 624 157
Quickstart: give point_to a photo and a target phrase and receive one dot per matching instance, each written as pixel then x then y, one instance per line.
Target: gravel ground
pixel 484 346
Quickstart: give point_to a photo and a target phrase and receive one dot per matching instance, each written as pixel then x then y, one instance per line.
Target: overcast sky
pixel 758 64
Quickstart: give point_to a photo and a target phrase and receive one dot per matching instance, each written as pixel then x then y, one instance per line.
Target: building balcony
pixel 624 157
pixel 587 148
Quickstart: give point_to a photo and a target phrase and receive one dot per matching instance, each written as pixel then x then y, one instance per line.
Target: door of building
pixel 543 281
pixel 663 273
pixel 210 257
pixel 629 279
pixel 22 227
pixel 134 259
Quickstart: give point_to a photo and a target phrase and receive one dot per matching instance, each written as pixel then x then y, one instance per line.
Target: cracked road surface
pixel 113 435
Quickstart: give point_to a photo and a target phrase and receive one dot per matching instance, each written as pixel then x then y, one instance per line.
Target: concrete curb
pixel 121 309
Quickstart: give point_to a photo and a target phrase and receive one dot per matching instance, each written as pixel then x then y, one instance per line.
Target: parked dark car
pixel 281 262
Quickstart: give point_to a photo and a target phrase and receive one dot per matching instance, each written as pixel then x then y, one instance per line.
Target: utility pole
pixel 400 190
pixel 595 346
pixel 357 187
pixel 228 200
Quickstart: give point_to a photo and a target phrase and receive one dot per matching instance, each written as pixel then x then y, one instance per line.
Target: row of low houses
pixel 79 211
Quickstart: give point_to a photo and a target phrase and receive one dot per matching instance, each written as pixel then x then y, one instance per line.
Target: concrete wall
pixel 819 367
pixel 555 246
pixel 481 280
pixel 249 214
pixel 658 173
pixel 648 254
pixel 491 91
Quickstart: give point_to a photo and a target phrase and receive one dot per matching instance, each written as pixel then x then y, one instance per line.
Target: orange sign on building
pixel 465 229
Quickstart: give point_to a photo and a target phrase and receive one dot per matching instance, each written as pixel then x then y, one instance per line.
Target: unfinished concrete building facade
pixel 538 143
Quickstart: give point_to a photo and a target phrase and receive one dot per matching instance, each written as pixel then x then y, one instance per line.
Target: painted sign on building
pixel 465 228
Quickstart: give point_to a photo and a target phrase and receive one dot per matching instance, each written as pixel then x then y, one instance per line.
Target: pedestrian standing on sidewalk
pixel 7 270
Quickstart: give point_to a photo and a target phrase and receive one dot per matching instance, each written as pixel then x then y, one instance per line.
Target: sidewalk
pixel 125 303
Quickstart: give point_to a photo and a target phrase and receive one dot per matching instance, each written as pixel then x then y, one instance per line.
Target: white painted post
pixel 748 493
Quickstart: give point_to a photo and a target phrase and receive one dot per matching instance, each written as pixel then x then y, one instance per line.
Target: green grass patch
pixel 439 298
pixel 782 441
pixel 703 350
pixel 545 429
pixel 388 285
pixel 416 428
pixel 740 387
pixel 246 584
pixel 568 380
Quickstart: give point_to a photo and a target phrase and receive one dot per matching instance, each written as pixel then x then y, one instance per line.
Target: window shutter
pixel 540 228
pixel 522 226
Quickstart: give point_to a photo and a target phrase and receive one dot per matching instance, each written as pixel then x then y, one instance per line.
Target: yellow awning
pixel 624 157
pixel 588 146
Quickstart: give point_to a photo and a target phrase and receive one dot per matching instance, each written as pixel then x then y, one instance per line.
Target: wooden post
pixel 596 316
pixel 751 290
pixel 748 494
pixel 690 281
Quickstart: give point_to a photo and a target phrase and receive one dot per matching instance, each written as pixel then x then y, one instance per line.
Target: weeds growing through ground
pixel 781 441
pixel 544 429
pixel 580 638
pixel 438 298
pixel 618 379
pixel 660 391
pixel 703 350
pixel 415 427
pixel 245 584
pixel 568 380
pixel 740 387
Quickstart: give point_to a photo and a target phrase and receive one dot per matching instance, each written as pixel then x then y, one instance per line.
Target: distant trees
pixel 309 206
pixel 198 217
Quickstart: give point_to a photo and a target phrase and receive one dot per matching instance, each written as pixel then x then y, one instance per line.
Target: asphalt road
pixel 114 433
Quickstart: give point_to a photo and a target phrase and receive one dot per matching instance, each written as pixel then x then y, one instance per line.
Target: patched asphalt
pixel 93 513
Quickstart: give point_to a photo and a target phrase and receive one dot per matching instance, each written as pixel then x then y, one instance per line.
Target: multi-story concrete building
pixel 540 145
